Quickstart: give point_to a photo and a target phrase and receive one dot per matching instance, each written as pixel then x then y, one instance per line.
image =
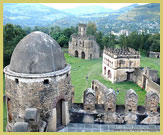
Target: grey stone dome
pixel 37 53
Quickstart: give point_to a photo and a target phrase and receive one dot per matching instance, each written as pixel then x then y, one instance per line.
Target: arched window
pixel 76 53
pixel 109 74
pixel 104 70
pixel 83 55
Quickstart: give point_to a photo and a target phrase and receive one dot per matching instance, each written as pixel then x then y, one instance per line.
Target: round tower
pixel 38 77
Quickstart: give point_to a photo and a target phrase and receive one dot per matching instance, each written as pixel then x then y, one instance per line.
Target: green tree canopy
pixel 91 28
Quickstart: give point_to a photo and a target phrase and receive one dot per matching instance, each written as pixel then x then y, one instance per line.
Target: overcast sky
pixel 74 5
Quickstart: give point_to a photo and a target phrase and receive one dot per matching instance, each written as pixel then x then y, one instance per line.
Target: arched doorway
pixel 83 55
pixel 9 109
pixel 76 53
pixel 59 113
pixel 109 74
pixel 90 56
pixel 104 70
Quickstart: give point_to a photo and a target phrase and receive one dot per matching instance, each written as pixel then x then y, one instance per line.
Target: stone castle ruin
pixel 123 64
pixel 82 45
pixel 38 82
pixel 119 63
pixel 109 112
pixel 39 93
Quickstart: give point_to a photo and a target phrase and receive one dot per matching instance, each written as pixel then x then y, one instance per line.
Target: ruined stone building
pixel 38 85
pixel 124 65
pixel 154 54
pixel 146 78
pixel 39 94
pixel 82 45
pixel 119 63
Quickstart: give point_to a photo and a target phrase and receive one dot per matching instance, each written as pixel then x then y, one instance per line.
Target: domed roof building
pixel 38 77
pixel 37 53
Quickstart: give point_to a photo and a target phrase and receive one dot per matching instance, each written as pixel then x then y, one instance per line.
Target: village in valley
pixel 80 80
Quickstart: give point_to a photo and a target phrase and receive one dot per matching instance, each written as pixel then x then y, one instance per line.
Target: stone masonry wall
pixel 42 93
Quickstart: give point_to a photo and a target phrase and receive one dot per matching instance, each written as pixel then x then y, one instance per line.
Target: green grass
pixel 93 69
pixel 153 63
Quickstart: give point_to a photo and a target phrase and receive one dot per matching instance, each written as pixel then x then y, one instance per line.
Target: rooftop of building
pixel 125 52
pixel 37 53
pixel 82 25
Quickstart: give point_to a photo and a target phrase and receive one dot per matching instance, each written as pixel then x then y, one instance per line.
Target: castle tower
pixel 82 29
pixel 38 77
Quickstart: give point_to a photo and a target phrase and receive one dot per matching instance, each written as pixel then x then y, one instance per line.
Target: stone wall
pixel 100 91
pixel 124 65
pixel 41 93
pixel 89 99
pixel 154 54
pixel 109 113
pixel 118 64
pixel 145 78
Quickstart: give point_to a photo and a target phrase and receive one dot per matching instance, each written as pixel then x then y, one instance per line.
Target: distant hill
pixel 133 18
pixel 126 9
pixel 85 10
pixel 144 12
pixel 31 14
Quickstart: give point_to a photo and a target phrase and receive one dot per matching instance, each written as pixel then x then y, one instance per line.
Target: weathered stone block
pixel 89 99
pixel 21 127
pixel 131 101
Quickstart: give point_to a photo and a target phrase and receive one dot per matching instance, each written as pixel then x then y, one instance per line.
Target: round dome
pixel 37 53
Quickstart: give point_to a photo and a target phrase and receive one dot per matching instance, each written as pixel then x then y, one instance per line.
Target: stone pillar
pixel 52 124
pixel 65 113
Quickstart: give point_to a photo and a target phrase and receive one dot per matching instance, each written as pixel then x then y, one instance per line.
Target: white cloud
pixel 74 5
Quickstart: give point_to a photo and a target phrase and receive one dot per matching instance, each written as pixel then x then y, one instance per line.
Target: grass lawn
pixel 153 63
pixel 93 69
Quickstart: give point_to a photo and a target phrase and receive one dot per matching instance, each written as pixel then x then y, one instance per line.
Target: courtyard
pixel 92 69
pixel 84 71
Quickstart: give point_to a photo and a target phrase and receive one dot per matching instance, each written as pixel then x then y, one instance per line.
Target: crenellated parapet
pixel 125 52
pixel 106 110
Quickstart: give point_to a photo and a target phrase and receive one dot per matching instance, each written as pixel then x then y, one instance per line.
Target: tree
pixel 91 28
pixel 63 41
pixel 105 41
pixel 111 40
pixel 27 30
pixel 154 41
pixel 55 32
pixel 11 36
pixel 123 41
pixel 99 36
pixel 68 32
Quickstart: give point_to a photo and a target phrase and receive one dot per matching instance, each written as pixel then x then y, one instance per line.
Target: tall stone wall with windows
pixel 119 63
pixel 124 65
pixel 82 45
